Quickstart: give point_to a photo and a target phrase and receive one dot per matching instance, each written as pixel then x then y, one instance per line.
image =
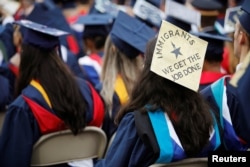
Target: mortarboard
pixel 148 12
pixel 215 46
pixel 182 16
pixel 106 6
pixel 227 25
pixel 66 4
pixel 206 5
pixel 209 10
pixel 47 13
pixel 40 35
pixel 96 24
pixel 245 17
pixel 178 56
pixel 156 3
pixel 131 39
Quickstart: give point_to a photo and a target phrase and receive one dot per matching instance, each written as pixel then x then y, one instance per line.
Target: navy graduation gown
pixel 127 149
pixel 223 98
pixel 4 95
pixel 21 129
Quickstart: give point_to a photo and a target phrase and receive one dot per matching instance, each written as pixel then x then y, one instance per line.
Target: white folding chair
pixel 62 146
pixel 189 162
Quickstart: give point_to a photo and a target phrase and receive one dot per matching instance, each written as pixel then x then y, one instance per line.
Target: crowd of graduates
pixel 68 64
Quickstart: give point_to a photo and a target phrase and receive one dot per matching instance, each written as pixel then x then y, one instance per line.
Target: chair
pixel 189 162
pixel 62 146
pixel 2 116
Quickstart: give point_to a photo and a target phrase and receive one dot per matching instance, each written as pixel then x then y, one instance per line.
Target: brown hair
pixel 59 83
pixel 193 120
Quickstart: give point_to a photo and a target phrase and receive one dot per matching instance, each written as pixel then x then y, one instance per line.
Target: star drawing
pixel 176 51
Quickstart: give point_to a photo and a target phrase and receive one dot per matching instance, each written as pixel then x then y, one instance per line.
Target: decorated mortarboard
pixel 96 24
pixel 245 16
pixel 40 35
pixel 227 25
pixel 178 56
pixel 148 12
pixel 182 15
pixel 106 6
pixel 130 39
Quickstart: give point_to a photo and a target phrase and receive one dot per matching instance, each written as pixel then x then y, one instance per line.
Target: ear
pixel 113 48
pixel 243 38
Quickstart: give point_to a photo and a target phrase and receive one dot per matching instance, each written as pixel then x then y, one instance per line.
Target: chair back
pixel 2 116
pixel 62 146
pixel 189 162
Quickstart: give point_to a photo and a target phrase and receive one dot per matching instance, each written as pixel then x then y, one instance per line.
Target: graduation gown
pixel 133 144
pixel 4 95
pixel 91 65
pixel 8 74
pixel 22 128
pixel 209 77
pixel 224 100
pixel 120 97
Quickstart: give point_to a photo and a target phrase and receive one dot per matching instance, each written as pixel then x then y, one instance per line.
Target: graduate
pixel 122 64
pixel 228 95
pixel 154 98
pixel 96 30
pixel 49 97
pixel 166 119
pixel 49 14
pixel 212 68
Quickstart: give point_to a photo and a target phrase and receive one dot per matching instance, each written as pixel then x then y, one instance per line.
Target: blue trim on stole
pixel 217 132
pixel 161 131
pixel 217 89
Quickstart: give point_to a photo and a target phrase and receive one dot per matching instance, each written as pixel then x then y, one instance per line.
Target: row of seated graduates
pixel 74 66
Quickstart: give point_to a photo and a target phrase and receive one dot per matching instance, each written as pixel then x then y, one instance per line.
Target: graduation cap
pixel 178 56
pixel 130 39
pixel 215 46
pixel 156 3
pixel 209 9
pixel 66 4
pixel 96 24
pixel 245 17
pixel 206 5
pixel 40 35
pixel 105 6
pixel 227 25
pixel 49 14
pixel 148 12
pixel 182 16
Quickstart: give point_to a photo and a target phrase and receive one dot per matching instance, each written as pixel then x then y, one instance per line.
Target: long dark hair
pixel 59 83
pixel 187 109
